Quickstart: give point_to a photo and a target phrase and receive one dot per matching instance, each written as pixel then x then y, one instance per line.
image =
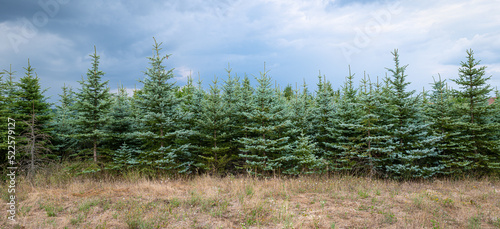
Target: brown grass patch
pixel 211 202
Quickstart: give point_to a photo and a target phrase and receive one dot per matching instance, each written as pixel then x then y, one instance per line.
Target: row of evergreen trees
pixel 379 128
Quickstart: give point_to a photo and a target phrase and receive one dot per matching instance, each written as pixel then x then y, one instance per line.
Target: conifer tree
pixel 213 124
pixel 122 130
pixel 414 153
pixel 10 90
pixel 93 103
pixel 244 106
pixel 299 112
pixel 372 131
pixel 231 96
pixel 8 96
pixel 496 119
pixel 30 93
pixel 121 127
pixel 288 92
pixel 4 115
pixel 192 99
pixel 63 124
pixel 347 128
pixel 31 102
pixel 441 112
pixel 302 157
pixel 322 122
pixel 35 143
pixel 480 152
pixel 267 125
pixel 158 100
pixel 162 118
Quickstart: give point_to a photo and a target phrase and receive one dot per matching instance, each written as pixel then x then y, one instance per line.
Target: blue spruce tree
pixel 267 126
pixel 414 154
pixel 480 149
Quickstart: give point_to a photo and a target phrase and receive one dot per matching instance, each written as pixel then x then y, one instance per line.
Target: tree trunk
pixel 32 168
pixel 33 139
pixel 161 137
pixel 215 143
pixel 95 150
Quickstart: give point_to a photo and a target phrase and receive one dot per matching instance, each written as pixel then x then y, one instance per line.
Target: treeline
pixel 379 128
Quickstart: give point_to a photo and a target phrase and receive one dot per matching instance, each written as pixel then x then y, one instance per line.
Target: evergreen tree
pixel 4 115
pixel 231 97
pixel 192 99
pixel 162 118
pixel 496 119
pixel 213 124
pixel 288 92
pixel 347 128
pixel 124 157
pixel 30 93
pixel 158 101
pixel 301 158
pixel 31 102
pixel 244 106
pixel 123 135
pixel 93 102
pixel 414 154
pixel 35 143
pixel 268 125
pixel 299 113
pixel 8 96
pixel 480 150
pixel 441 112
pixel 372 130
pixel 63 124
pixel 121 127
pixel 322 119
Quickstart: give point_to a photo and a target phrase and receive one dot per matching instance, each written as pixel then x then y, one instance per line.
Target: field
pixel 132 201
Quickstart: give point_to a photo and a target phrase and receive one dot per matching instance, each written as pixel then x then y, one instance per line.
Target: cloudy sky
pixel 296 39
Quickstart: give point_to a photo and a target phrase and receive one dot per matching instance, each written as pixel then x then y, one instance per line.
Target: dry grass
pixel 210 202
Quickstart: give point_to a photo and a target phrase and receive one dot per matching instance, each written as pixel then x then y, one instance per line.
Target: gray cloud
pixel 295 38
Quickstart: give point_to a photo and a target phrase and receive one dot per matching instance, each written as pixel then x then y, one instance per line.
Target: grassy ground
pixel 59 201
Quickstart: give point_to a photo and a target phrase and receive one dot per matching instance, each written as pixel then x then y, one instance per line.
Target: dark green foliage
pixel 441 112
pixel 267 127
pixel 161 119
pixel 29 95
pixel 288 92
pixel 4 115
pixel 496 136
pixel 231 95
pixel 34 143
pixel 479 148
pixel 381 129
pixel 347 125
pixel 124 158
pixel 32 114
pixel 213 126
pixel 8 97
pixel 300 113
pixel 414 154
pixel 64 124
pixel 322 122
pixel 122 127
pixel 373 129
pixel 192 98
pixel 301 158
pixel 92 103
